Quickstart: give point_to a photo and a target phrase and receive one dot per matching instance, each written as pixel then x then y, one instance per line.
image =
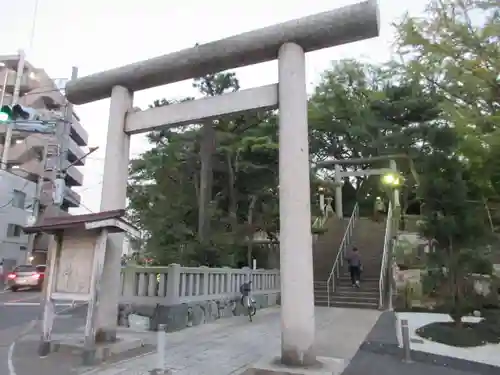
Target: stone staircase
pixel 368 237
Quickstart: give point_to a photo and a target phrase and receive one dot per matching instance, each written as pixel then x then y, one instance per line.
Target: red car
pixel 26 276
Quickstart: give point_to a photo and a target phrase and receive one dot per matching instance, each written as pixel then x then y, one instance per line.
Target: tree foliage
pixel 164 189
pixel 362 111
pixel 455 51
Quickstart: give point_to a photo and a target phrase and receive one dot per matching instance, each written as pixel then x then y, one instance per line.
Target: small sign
pixel 42 127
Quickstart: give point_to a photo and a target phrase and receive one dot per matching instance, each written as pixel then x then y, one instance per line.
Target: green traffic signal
pixel 5 114
pixel 8 114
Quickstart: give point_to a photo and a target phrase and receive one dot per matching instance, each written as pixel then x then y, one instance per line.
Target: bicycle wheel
pixel 252 310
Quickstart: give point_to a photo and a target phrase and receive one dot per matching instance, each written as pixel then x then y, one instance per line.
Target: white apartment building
pixel 38 91
pixel 16 197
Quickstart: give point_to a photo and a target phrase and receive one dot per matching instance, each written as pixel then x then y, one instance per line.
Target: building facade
pixel 16 196
pixel 38 91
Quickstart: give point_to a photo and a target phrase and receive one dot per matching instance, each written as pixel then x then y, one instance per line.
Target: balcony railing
pixel 75 153
pixel 28 82
pixel 78 133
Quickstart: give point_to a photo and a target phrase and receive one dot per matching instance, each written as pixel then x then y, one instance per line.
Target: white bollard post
pixel 405 335
pixel 160 346
pixel 161 342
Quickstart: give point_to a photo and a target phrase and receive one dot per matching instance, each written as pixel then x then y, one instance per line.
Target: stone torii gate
pixel 288 42
pixel 339 175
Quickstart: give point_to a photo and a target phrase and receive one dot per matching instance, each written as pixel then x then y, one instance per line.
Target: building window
pixel 19 199
pixel 14 230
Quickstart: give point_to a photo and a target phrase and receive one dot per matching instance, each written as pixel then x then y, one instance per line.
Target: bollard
pixel 405 335
pixel 161 342
pixel 160 347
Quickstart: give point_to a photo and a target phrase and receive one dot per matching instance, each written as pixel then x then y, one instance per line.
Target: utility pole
pixel 4 87
pixel 63 133
pixel 62 136
pixel 15 98
pixel 36 199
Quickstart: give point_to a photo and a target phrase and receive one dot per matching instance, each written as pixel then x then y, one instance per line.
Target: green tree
pixel 165 185
pixel 455 51
pixel 456 227
pixel 362 111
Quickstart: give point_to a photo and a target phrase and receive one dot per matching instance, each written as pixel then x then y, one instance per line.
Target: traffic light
pixel 16 112
pixel 5 114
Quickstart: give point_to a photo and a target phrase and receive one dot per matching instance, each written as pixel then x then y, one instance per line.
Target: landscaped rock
pixel 482 284
pixel 413 276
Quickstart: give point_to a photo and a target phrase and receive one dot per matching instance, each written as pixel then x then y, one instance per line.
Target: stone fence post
pixel 173 283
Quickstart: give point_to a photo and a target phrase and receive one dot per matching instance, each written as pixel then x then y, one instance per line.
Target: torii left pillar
pixel 113 196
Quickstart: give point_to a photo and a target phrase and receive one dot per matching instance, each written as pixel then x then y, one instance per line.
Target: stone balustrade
pixel 182 297
pixel 174 284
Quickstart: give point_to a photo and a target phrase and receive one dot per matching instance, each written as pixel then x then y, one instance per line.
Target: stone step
pixel 362 289
pixel 347 282
pixel 347 285
pixel 348 299
pixel 356 305
pixel 357 293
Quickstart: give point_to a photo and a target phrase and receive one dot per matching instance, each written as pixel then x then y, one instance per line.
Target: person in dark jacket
pixel 355 266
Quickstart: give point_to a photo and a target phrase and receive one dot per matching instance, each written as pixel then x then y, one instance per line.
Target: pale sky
pixel 96 35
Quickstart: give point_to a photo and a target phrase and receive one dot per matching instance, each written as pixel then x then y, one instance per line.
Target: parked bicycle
pixel 247 300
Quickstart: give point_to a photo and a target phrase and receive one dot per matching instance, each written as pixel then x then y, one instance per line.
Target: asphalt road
pixel 17 310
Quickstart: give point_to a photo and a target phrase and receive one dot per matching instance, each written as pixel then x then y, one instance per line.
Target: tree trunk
pixel 206 181
pixel 233 199
pixel 251 206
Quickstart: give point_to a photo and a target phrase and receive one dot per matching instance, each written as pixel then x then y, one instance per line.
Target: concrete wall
pixel 182 297
pixel 10 247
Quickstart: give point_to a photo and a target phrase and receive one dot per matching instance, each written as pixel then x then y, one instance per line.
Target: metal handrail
pixel 385 256
pixel 320 221
pixel 339 259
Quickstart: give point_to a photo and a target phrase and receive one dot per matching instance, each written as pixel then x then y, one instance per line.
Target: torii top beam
pixel 354 161
pixel 340 26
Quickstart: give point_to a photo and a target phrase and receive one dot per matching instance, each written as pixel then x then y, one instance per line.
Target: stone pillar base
pixel 89 357
pixel 105 335
pixel 323 366
pixel 44 348
pixel 160 372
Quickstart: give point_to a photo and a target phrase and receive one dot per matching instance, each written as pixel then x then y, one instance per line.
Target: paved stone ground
pixel 365 339
pixel 380 354
pixel 229 346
